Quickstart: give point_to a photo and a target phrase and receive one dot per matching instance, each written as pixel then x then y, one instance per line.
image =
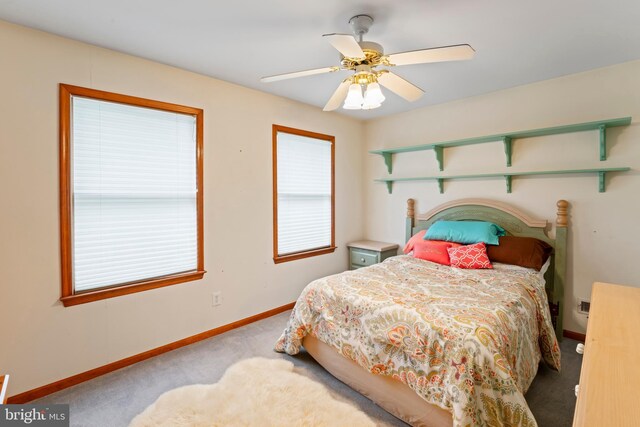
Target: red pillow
pixel 418 237
pixel 434 250
pixel 470 256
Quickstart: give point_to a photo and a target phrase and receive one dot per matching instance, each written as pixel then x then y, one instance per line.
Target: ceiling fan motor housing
pixel 373 56
pixel 375 47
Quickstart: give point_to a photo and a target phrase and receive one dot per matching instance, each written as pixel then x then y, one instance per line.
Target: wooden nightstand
pixel 368 252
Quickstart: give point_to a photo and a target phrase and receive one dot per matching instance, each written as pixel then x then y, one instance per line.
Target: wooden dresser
pixel 4 382
pixel 608 393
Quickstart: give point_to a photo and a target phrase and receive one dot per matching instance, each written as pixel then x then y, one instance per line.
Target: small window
pixel 131 194
pixel 303 194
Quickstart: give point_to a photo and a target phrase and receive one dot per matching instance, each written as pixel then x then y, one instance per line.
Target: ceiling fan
pixel 364 58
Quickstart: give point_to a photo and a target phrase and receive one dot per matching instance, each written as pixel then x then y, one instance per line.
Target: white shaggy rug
pixel 253 392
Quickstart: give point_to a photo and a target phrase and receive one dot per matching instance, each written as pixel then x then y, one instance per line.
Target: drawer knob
pixel 577 389
pixel 580 348
pixel 361 259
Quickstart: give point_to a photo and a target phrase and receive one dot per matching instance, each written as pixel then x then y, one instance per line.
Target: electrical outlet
pixel 583 306
pixel 216 299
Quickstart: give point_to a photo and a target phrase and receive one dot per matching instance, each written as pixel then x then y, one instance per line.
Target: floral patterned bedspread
pixel 468 341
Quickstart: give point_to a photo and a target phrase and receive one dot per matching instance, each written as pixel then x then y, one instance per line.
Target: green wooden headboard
pixel 516 223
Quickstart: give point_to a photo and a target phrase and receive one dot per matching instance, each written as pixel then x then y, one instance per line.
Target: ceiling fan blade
pixel 436 54
pixel 298 74
pixel 346 45
pixel 338 96
pixel 400 86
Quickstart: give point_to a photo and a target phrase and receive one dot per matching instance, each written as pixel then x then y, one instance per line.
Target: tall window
pixel 131 194
pixel 303 199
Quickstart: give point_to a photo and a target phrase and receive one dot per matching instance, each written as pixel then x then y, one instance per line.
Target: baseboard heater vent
pixel 584 306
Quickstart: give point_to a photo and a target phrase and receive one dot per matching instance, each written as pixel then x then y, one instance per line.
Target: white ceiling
pixel 516 41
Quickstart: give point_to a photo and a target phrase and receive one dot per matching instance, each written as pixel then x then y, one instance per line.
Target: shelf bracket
pixel 601 181
pixel 507 149
pixel 507 179
pixel 603 142
pixel 439 156
pixel 389 186
pixel 440 185
pixel 387 161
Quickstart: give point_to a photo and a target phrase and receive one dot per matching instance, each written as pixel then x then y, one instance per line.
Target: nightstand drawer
pixel 362 257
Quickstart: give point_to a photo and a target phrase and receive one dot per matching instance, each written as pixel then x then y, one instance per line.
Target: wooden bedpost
pixel 410 219
pixel 562 221
pixel 563 207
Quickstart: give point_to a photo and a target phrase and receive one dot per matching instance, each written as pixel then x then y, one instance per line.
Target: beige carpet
pixel 253 392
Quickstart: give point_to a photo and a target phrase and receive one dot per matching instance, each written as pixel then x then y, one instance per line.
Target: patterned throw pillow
pixel 470 256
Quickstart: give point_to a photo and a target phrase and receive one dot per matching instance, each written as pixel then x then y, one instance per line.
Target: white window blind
pixel 134 193
pixel 304 193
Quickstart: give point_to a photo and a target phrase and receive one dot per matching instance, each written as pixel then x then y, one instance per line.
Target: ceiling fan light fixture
pixel 374 94
pixel 354 98
pixel 362 79
pixel 363 58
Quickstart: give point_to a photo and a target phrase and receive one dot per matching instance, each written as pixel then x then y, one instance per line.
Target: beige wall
pixel 41 341
pixel 604 227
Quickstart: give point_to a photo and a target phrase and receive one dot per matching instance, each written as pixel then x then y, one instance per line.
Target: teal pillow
pixel 466 232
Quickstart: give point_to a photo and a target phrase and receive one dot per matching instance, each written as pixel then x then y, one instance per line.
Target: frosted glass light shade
pixel 373 95
pixel 354 98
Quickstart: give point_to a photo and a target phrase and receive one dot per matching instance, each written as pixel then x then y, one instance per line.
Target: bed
pixel 434 345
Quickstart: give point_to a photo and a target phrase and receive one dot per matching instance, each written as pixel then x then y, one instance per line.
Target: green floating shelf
pixel 601 172
pixel 507 138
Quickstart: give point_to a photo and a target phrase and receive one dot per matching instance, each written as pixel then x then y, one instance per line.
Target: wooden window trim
pixel 68 296
pixel 313 252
